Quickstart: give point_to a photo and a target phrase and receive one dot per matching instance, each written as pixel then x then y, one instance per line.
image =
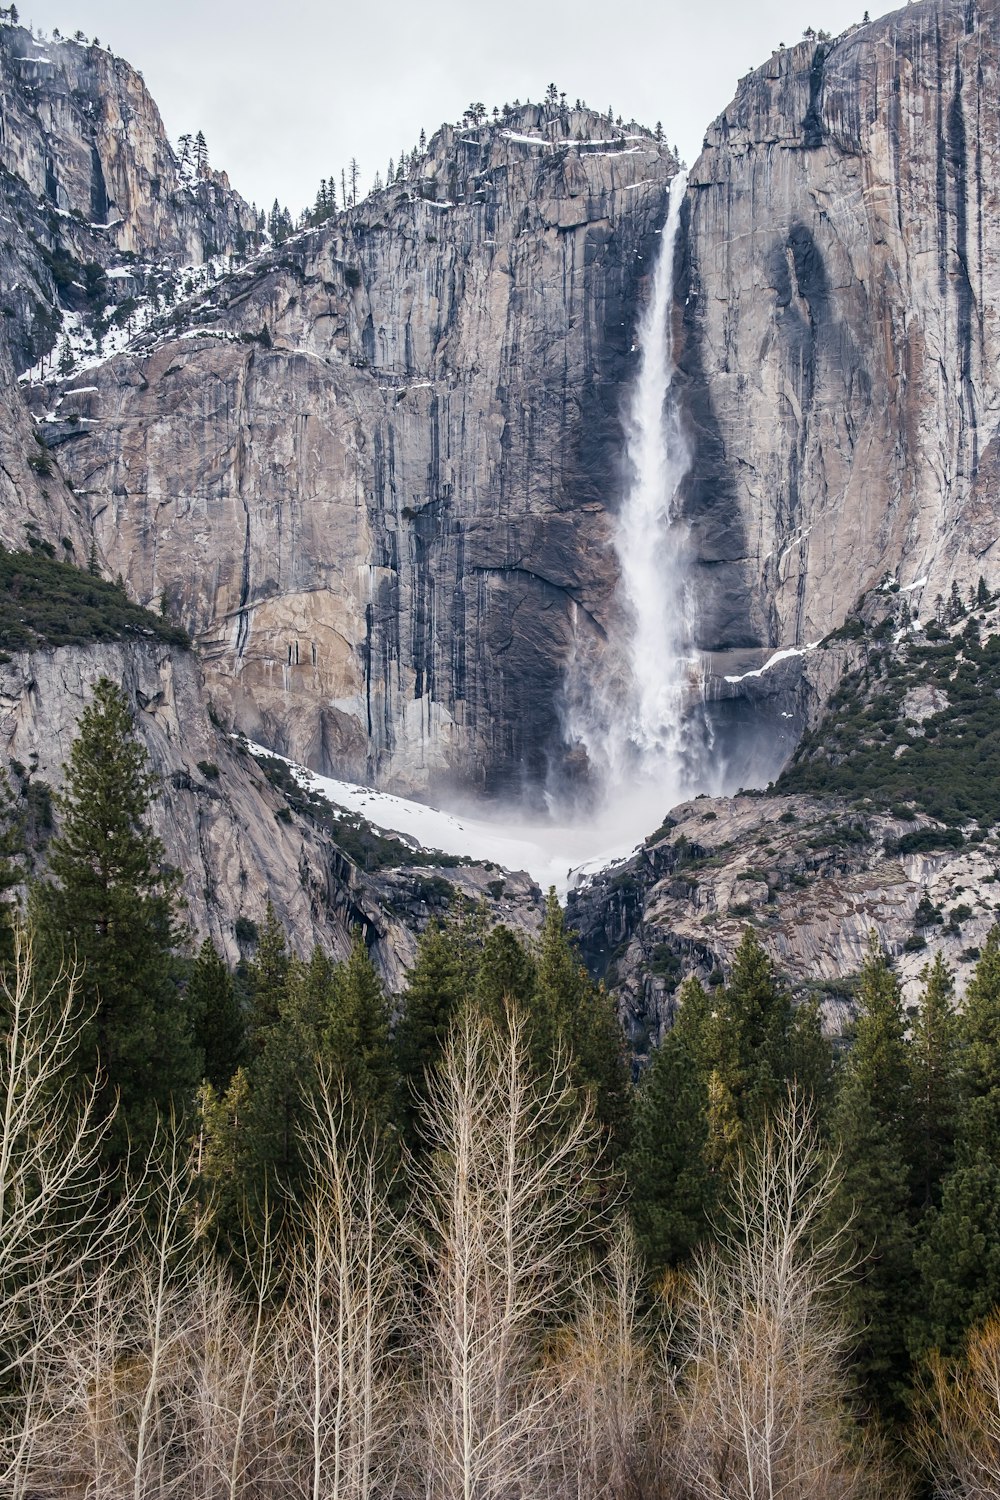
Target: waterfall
pixel 629 700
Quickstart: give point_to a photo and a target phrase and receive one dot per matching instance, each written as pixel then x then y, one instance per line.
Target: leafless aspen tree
pixel 610 1384
pixel 114 1380
pixel 761 1414
pixel 341 1418
pixel 958 1435
pixel 50 1189
pixel 503 1204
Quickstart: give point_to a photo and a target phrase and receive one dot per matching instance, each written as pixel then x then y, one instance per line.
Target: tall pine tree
pixel 872 1125
pixel 959 1257
pixel 672 1189
pixel 111 906
pixel 216 1016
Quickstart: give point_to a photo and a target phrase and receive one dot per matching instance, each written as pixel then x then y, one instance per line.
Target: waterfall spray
pixel 630 707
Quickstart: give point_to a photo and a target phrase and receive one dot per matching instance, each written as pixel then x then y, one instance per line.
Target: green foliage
pixel 216 1016
pixel 267 978
pixel 873 1124
pixel 933 1064
pixel 111 905
pixel 945 767
pixel 569 1011
pixel 356 1043
pixel 959 1257
pixel 442 977
pixel 751 1032
pixel 48 603
pixel 672 1189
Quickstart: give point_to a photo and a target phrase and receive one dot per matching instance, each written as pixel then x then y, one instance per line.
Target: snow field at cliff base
pixel 560 854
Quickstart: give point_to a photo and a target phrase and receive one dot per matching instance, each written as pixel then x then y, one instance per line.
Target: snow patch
pixel 773 661
pixel 552 854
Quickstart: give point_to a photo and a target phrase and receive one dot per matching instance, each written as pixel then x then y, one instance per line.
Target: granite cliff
pixel 388 449
pixel 375 470
pixel 841 347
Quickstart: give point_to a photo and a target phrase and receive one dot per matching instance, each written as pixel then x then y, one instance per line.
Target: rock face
pixel 398 500
pixel 81 131
pixel 814 879
pixel 385 520
pixel 224 826
pixel 841 347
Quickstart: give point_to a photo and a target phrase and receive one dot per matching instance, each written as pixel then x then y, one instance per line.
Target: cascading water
pixel 630 702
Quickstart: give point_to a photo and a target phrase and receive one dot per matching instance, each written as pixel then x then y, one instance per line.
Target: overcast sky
pixel 288 91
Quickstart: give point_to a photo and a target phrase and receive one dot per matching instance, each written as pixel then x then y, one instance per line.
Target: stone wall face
pixel 842 357
pixel 387 520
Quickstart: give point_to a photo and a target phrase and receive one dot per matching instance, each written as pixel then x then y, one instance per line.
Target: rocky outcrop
pixel 232 834
pixel 81 131
pixel 813 877
pixel 373 474
pixel 841 356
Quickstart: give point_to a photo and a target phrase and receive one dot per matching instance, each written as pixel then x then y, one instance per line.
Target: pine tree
pixel 569 1011
pixel 872 1124
pixel 282 1076
pixel 356 1041
pixel 216 1016
pixel 980 1027
pixel 959 1259
pixel 506 971
pixel 933 1083
pixel 672 1190
pixel 752 1052
pixel 437 986
pixel 112 905
pixel 267 979
pixel 200 155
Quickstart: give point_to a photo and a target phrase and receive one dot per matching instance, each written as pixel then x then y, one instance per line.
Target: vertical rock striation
pixel 375 486
pixel 79 128
pixel 841 353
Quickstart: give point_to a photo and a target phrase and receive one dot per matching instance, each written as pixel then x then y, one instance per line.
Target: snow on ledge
pixel 773 661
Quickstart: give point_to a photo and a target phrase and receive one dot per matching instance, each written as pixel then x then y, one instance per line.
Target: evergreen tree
pixel 216 1016
pixel 356 1041
pixel 200 155
pixel 959 1258
pixel 267 978
pixel 281 1078
pixel 672 1190
pixel 441 979
pixel 568 1010
pixel 111 905
pixel 979 1027
pixel 872 1125
pixel 933 1083
pixel 506 970
pixel 752 1051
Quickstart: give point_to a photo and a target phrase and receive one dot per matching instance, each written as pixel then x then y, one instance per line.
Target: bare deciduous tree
pixel 341 1371
pixel 958 1433
pixel 54 1222
pixel 610 1384
pixel 761 1411
pixel 504 1207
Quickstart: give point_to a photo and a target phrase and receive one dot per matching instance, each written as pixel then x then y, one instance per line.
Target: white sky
pixel 287 92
